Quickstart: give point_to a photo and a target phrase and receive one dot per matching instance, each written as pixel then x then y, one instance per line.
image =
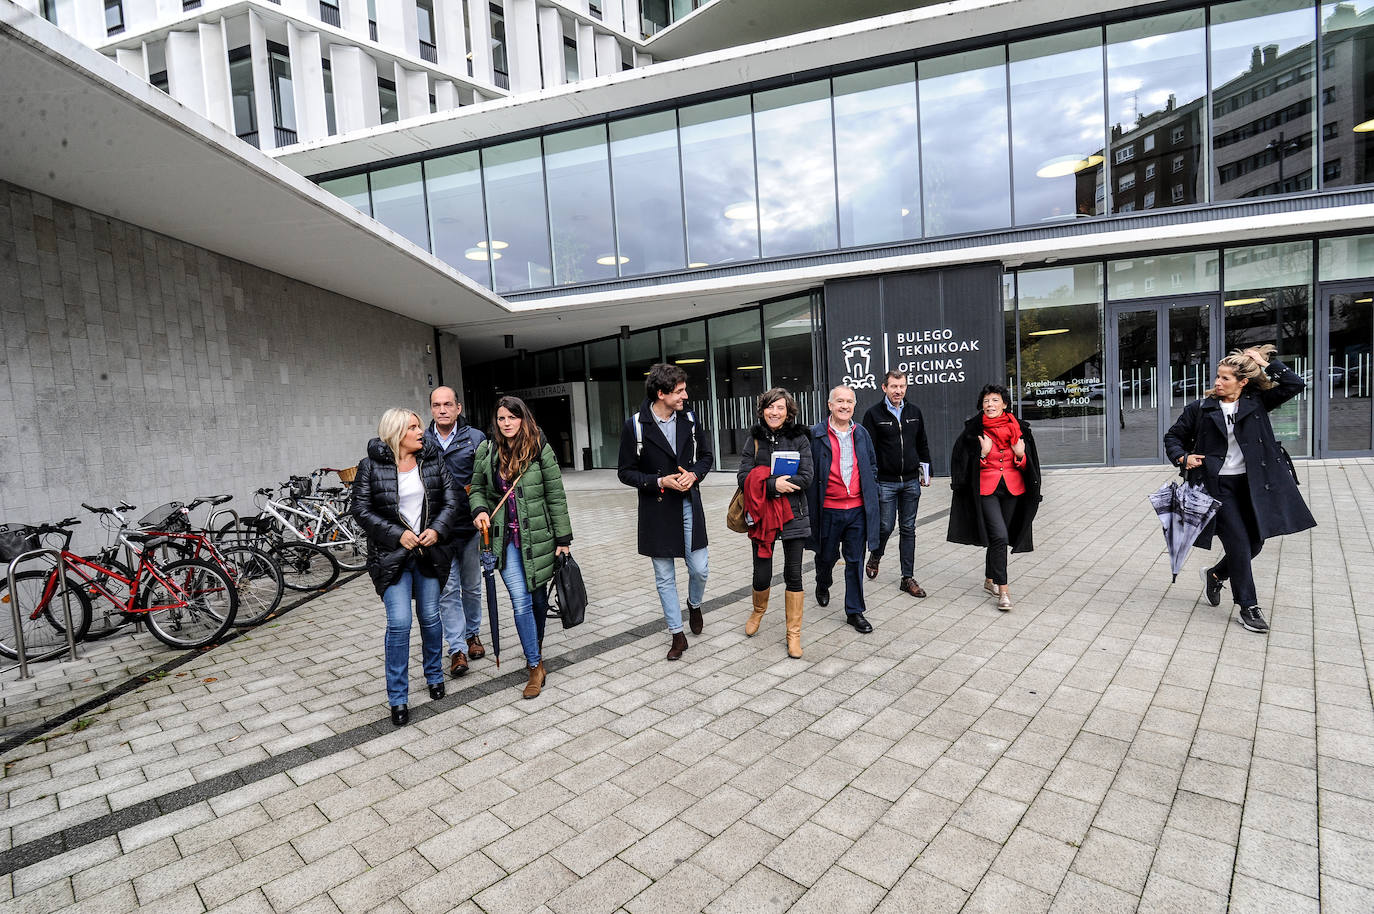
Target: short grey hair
pixel 831 396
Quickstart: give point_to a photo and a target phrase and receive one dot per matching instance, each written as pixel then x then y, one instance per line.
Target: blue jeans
pixel 424 592
pixel 460 605
pixel 843 533
pixel 896 498
pixel 522 603
pixel 665 575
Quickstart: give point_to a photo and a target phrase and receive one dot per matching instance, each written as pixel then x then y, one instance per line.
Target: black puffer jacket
pixel 790 437
pixel 376 506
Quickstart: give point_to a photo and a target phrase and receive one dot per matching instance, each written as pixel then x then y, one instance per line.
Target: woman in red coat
pixel 995 476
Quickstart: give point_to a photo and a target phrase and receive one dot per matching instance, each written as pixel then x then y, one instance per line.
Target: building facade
pixel 1090 202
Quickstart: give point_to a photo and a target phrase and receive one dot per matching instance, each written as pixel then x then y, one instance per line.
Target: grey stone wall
pixel 136 366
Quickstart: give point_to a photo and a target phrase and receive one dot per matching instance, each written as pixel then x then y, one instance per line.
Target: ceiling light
pixel 749 368
pixel 697 265
pixel 479 254
pixel 688 361
pixel 905 211
pixel 1366 127
pixel 1363 301
pixel 610 260
pixel 1233 302
pixel 1048 332
pixel 495 245
pixel 740 211
pixel 1062 166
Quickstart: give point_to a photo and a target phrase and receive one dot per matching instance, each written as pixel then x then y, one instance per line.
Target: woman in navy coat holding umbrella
pixel 1226 439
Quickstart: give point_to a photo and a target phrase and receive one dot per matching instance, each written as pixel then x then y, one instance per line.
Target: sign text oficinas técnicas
pixel 932 356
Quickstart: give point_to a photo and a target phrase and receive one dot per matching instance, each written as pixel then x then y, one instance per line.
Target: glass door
pixel 1159 357
pixel 1341 387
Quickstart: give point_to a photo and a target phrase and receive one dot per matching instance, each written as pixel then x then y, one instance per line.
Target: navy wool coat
pixel 648 458
pixel 1201 429
pixel 867 463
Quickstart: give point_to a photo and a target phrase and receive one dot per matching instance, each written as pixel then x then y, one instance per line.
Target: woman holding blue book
pixel 774 474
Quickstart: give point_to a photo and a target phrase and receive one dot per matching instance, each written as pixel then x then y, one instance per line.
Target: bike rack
pixel 217 514
pixel 17 616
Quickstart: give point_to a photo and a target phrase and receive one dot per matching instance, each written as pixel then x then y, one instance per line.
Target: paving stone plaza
pixel 1113 744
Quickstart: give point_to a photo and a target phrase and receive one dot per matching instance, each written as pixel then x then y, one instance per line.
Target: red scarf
pixel 1004 431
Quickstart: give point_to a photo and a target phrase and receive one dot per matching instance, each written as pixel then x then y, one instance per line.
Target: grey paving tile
pixel 759 889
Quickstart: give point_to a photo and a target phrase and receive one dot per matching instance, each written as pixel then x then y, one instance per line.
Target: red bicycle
pixel 186 603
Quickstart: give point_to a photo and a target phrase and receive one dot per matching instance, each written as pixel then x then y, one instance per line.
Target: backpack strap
pixel 639 435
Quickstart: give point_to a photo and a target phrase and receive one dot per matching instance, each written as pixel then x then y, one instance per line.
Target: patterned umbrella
pixel 1184 509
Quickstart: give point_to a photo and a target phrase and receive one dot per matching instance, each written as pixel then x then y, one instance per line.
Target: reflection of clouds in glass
pixel 1056 111
pixel 516 212
pixel 580 205
pixel 718 172
pixel 964 152
pixel 1234 41
pixel 456 217
pixel 876 143
pixel 648 193
pixel 796 173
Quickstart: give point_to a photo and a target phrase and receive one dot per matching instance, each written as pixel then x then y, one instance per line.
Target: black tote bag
pixel 568 591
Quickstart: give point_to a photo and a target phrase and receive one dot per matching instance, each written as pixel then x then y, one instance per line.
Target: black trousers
pixel 791 566
pixel 1238 531
pixel 997 510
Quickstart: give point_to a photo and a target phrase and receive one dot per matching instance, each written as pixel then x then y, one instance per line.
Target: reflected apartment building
pixel 1091 203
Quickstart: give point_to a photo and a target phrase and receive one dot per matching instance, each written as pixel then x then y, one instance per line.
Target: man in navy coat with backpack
pixel 664 454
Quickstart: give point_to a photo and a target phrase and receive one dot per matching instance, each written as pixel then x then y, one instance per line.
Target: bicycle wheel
pixel 45 632
pixel 191 607
pixel 348 547
pixel 305 566
pixel 106 619
pixel 259 583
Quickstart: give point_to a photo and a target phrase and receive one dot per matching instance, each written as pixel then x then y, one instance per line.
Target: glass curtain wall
pixel 965 179
pixel 1163 274
pixel 1347 92
pixel 1057 128
pixel 642 352
pixel 1268 299
pixel 283 97
pixel 877 156
pixel 579 188
pixel 457 216
pixel 351 190
pixel 605 401
pixel 517 218
pixel 788 331
pixel 1263 60
pixel 796 169
pixel 1061 339
pixel 737 361
pixel 398 202
pixel 718 182
pixel 961 143
pixel 1157 109
pixel 648 194
pixel 684 345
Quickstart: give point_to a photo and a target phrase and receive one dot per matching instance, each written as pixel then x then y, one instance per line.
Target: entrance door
pixel 1341 387
pixel 1160 355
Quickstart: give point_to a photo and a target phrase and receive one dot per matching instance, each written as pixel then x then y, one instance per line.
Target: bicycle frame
pixel 324 516
pixel 146 569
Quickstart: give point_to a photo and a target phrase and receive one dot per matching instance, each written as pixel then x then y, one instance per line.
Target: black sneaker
pixel 1253 619
pixel 1211 587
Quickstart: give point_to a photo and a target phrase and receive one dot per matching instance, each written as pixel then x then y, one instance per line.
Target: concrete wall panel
pixel 136 366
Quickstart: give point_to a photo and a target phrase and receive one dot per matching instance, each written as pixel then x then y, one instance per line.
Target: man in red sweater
pixel 843 502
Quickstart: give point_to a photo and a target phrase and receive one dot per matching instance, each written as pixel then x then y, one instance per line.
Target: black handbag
pixel 1288 461
pixel 568 591
pixel 15 540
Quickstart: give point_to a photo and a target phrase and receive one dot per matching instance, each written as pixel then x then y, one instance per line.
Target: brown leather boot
pixel 793 600
pixel 536 683
pixel 679 645
pixel 760 607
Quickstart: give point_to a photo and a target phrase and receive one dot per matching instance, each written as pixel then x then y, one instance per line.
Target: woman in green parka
pixel 530 525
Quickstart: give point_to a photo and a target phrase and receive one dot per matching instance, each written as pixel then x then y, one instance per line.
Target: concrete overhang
pixel 665 82
pixel 540 323
pixel 80 128
pixel 729 23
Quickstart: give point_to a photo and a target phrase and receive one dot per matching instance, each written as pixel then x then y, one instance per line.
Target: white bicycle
pixel 315 518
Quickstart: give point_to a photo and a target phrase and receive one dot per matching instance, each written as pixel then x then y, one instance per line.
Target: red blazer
pixel 1000 464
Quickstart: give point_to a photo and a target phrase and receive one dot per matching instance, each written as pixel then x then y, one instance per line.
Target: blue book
pixel 785 463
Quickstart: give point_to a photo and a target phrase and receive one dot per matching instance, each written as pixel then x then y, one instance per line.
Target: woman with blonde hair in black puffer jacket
pixel 406 501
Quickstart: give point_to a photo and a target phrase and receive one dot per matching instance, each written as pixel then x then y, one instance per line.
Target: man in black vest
pixel 664 453
pixel 899 437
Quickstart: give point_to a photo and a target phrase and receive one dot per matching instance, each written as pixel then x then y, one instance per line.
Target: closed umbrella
pixel 1184 509
pixel 489 575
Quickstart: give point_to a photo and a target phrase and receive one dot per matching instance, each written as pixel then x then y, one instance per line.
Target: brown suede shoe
pixel 871 569
pixel 536 683
pixel 475 649
pixel 910 586
pixel 458 664
pixel 694 619
pixel 679 645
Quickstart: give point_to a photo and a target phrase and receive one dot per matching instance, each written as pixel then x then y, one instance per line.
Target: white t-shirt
pixel 1235 460
pixel 411 494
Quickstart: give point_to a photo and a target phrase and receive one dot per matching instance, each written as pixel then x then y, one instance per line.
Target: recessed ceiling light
pixel 610 260
pixel 688 361
pixel 750 368
pixel 697 264
pixel 479 254
pixel 1048 332
pixel 1366 127
pixel 1062 166
pixel 495 245
pixel 1233 302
